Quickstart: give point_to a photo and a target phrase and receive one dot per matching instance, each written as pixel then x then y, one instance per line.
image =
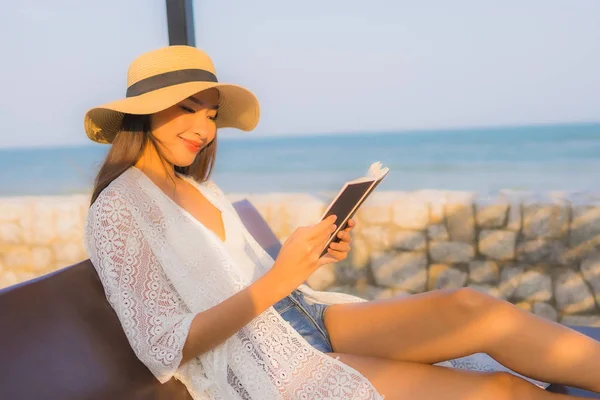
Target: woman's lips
pixel 192 145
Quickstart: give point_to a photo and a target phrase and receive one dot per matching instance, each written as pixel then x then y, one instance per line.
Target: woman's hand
pixel 299 256
pixel 339 251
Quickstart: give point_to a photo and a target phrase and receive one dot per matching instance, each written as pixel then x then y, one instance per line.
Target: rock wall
pixel 39 235
pixel 539 252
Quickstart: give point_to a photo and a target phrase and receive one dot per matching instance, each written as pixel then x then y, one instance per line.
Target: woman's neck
pixel 162 173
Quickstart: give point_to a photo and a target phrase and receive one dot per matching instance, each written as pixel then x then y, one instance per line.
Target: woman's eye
pixel 187 109
pixel 213 117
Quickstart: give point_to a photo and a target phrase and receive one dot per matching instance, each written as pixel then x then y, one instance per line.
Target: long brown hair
pixel 128 146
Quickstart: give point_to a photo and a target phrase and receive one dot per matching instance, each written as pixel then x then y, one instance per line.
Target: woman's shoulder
pixel 121 190
pixel 116 204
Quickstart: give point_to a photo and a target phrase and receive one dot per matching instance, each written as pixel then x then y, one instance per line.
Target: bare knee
pixel 469 300
pixel 505 386
pixel 473 305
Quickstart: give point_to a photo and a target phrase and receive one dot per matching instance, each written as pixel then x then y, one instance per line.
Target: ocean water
pixel 534 158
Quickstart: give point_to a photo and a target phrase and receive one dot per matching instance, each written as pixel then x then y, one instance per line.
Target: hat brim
pixel 238 108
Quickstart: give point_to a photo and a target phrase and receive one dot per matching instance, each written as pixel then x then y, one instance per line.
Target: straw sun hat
pixel 162 78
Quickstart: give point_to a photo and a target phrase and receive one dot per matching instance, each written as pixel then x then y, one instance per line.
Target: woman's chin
pixel 184 162
pixel 184 165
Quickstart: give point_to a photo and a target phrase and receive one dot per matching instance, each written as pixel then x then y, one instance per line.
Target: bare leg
pixel 441 325
pixel 405 380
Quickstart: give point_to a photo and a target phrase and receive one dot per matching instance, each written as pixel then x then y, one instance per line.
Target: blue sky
pixel 316 66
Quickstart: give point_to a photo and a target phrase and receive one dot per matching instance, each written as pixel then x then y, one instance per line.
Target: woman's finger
pixel 337 255
pixel 321 239
pixel 341 246
pixel 345 236
pixel 327 259
pixel 323 227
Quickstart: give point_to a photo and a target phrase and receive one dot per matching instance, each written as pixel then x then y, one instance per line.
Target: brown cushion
pixel 60 339
pixel 258 227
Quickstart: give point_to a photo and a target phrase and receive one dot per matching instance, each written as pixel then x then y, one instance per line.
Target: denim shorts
pixel 308 319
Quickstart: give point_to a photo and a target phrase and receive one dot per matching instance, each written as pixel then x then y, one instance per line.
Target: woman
pixel 200 300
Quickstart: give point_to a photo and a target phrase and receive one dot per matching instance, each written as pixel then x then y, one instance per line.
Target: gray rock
pixel 510 277
pixel 41 259
pixel 322 278
pixel 451 252
pixel 375 211
pixel 376 237
pixel 487 289
pixel 442 276
pixel 67 222
pixel 524 305
pixel 406 270
pixel 23 276
pixel 8 278
pixel 484 272
pixel 515 218
pixel 581 320
pixel 10 233
pixel 585 226
pixel 348 273
pixel 410 213
pixel 590 269
pixel 545 220
pixel 572 294
pixel 582 252
pixel 17 258
pixel 13 209
pixel 534 285
pixel 378 293
pixel 491 215
pixel 409 240
pixel 438 232
pixel 541 250
pixel 43 223
pixel 545 310
pixel 348 289
pixel 359 252
pixel 68 253
pixel 461 222
pixel 497 244
pixel 436 209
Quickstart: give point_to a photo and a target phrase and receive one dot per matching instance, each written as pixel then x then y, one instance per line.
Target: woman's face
pixel 185 128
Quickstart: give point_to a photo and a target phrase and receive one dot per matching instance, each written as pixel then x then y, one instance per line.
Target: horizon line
pixel 391 131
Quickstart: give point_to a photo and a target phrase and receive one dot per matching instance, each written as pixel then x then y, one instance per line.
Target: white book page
pixel 375 172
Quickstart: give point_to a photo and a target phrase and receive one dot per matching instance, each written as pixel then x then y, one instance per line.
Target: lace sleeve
pixel 153 316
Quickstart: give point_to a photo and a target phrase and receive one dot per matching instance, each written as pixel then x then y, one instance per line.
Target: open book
pixel 352 195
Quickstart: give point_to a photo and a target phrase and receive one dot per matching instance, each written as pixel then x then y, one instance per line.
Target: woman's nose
pixel 201 122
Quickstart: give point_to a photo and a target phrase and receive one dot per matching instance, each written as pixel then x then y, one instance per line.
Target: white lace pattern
pixel 160 268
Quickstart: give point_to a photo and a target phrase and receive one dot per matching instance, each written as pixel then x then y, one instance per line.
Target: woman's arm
pixel 298 258
pixel 162 331
pixel 215 325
